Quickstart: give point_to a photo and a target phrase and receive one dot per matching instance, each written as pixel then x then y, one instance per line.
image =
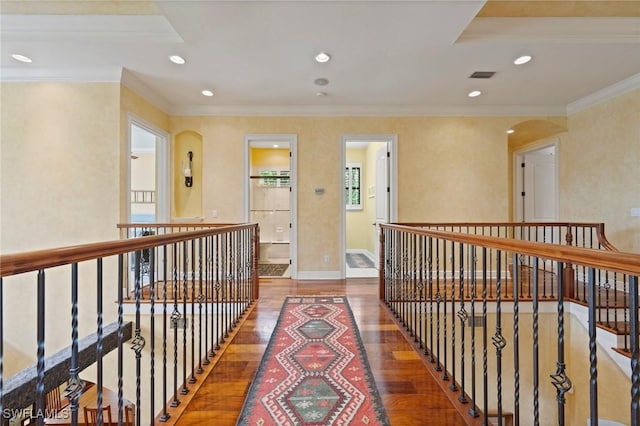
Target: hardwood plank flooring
pixel 409 393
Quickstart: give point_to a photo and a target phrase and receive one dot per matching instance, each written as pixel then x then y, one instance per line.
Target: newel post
pixel 381 285
pixel 256 257
pixel 569 289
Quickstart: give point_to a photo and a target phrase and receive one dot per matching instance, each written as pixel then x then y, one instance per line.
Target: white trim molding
pixel 610 92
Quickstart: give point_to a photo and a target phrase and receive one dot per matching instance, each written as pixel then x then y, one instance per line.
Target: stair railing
pixel 483 325
pixel 194 299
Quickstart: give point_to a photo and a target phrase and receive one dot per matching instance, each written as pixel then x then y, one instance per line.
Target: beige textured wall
pixel 450 168
pixel 356 220
pixel 59 185
pixel 599 175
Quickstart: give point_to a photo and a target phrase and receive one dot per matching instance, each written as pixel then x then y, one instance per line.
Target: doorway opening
pixel 536 184
pixel 148 174
pixel 369 182
pixel 270 188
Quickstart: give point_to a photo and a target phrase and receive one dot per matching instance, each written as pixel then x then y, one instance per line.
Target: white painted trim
pixel 30 28
pixel 292 140
pixel 603 95
pixel 132 82
pixel 85 75
pixel 368 110
pixel 319 275
pixel 392 140
pixel 163 153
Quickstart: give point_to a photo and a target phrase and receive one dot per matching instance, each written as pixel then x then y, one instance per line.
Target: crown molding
pixel 368 110
pixel 132 82
pixel 31 28
pixel 101 75
pixel 605 94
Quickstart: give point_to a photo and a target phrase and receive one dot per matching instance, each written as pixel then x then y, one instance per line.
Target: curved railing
pixel 197 285
pixel 480 309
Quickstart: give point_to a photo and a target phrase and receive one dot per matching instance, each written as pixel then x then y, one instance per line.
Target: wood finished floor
pixel 409 393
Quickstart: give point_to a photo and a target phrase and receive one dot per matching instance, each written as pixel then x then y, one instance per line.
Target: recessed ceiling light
pixel 22 58
pixel 323 57
pixel 321 81
pixel 474 93
pixel 321 94
pixel 510 131
pixel 177 59
pixel 275 145
pixel 522 60
pixel 207 92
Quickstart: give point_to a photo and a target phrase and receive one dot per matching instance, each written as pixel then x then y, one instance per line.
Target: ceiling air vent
pixel 482 74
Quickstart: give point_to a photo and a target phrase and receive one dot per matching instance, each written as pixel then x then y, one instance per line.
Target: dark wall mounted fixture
pixel 188 171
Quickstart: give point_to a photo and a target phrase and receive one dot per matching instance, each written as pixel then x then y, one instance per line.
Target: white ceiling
pixel 388 57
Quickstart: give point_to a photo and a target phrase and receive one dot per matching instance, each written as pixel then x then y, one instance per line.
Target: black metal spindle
pixel 201 300
pixel 634 346
pixel 165 261
pixel 560 380
pixel 138 342
pixel 185 297
pixel 438 302
pixel 593 359
pixel 498 339
pixel 536 349
pixel 453 385
pixel 121 281
pixel 516 345
pixel 463 316
pixel 473 411
pixel 99 344
pixel 445 372
pixel 152 336
pixel 192 274
pixel 431 296
pixel 40 302
pixel 485 347
pixel 75 385
pixel 175 318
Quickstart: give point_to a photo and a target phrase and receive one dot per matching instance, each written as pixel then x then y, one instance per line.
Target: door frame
pixel 292 140
pixel 392 143
pixel 163 151
pixel 518 157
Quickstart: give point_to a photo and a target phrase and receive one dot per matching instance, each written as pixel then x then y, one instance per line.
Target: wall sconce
pixel 187 171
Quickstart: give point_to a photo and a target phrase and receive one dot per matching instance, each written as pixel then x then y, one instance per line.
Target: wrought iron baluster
pixel 165 414
pixel 473 411
pixel 75 385
pixel 138 342
pixel 99 344
pixel 175 318
pixel 593 359
pixel 431 296
pixel 40 302
pixel 185 297
pixel 192 273
pixel 463 315
pixel 498 339
pixel 485 380
pixel 634 346
pixel 536 348
pixel 438 299
pixel 453 386
pixel 152 336
pixel 560 380
pixel 516 342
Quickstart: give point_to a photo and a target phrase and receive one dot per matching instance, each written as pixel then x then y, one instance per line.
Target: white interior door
pixel 539 189
pixel 382 194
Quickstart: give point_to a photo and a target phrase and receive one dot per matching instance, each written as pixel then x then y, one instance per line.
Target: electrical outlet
pixel 326 258
pixel 214 213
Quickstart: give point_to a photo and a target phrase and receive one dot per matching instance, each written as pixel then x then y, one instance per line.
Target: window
pixel 274 178
pixel 353 193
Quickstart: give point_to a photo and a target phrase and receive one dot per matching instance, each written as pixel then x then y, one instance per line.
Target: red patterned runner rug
pixel 314 370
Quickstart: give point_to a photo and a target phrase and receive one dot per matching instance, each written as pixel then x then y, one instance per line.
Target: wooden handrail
pixel 18 263
pixel 626 263
pixel 174 225
pixel 598 226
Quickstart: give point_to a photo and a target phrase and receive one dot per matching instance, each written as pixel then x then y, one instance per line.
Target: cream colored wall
pixel 356 220
pixel 446 165
pixel 598 162
pixel 59 185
